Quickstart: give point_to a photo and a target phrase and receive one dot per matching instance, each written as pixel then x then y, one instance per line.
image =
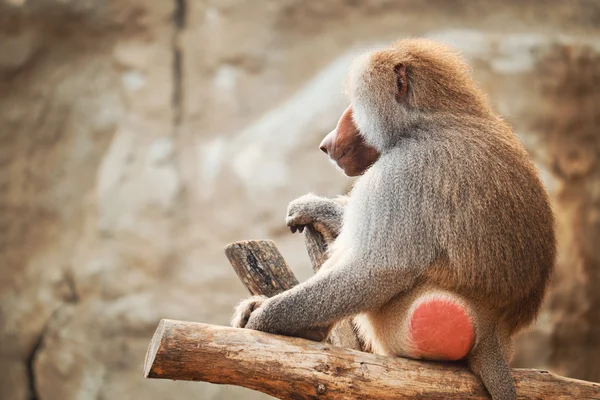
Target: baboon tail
pixel 487 361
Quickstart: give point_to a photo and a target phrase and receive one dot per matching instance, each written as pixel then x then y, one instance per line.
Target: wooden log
pixel 263 270
pixel 316 247
pixel 261 267
pixel 292 368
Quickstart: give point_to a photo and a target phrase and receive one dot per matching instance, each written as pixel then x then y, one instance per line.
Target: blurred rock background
pixel 137 138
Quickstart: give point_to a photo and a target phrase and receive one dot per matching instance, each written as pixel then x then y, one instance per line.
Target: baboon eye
pixel 401 82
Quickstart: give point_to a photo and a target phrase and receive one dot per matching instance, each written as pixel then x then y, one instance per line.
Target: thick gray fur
pixel 453 202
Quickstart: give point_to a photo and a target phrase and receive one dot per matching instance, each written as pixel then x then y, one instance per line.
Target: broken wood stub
pixel 263 270
pixel 261 267
pixel 316 247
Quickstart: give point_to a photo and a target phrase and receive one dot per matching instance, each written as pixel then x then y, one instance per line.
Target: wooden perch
pixel 292 368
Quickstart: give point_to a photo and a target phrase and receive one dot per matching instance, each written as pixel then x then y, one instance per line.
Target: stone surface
pixel 138 138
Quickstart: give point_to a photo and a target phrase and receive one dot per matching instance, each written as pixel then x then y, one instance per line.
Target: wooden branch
pixel 316 247
pixel 261 267
pixel 263 270
pixel 292 368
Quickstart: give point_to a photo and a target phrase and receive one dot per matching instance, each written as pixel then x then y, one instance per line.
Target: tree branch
pixel 263 270
pixel 292 368
pixel 261 267
pixel 315 246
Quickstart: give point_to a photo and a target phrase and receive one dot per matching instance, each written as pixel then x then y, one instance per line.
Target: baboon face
pixel 347 148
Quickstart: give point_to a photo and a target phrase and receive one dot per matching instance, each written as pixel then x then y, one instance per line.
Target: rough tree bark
pixel 292 368
pixel 261 267
pixel 263 270
pixel 316 246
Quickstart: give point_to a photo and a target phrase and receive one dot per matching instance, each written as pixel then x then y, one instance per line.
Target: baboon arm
pixel 338 291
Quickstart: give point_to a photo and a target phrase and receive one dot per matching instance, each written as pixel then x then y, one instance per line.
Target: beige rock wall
pixel 137 138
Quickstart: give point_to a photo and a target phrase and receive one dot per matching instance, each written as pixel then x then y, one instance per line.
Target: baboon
pixel 446 244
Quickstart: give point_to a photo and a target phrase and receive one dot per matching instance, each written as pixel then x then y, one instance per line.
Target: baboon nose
pixel 326 142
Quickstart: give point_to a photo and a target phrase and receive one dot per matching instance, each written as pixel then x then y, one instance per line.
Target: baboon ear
pixel 401 81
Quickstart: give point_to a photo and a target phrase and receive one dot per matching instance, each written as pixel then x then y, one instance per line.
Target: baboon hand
pixel 304 211
pixel 242 312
